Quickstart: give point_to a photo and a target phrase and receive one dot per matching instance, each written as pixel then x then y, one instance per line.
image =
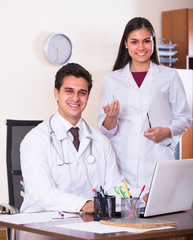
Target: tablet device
pixel 171 188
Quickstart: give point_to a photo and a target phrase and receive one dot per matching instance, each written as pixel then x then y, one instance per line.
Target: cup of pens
pixel 130 207
pixel 104 207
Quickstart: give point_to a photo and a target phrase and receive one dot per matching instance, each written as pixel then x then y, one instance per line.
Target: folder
pixel 139 223
pixel 159 111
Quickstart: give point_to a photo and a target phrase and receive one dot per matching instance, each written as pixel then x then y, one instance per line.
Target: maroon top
pixel 139 77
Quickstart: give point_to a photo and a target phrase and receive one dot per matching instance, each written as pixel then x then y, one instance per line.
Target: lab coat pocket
pixel 94 171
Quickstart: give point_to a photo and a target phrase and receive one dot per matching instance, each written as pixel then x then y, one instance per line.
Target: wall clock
pixel 58 49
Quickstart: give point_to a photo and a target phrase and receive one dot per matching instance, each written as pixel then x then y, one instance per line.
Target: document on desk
pixel 25 218
pixel 96 227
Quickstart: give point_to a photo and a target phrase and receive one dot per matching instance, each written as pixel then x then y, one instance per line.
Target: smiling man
pixel 72 98
pixel 72 92
pixel 63 158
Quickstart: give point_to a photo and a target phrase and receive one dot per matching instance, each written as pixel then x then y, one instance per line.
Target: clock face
pixel 58 49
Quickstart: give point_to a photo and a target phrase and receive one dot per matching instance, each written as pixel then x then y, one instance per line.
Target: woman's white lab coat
pixel 51 184
pixel 162 96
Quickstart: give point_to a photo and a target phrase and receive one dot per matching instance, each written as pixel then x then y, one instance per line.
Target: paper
pixel 25 218
pixel 96 227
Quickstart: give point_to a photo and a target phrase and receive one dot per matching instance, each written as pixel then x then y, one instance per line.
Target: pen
pixel 102 203
pixel 61 214
pixel 102 191
pixel 141 191
pixel 130 197
pixel 149 120
pixel 73 212
pixel 104 197
pixel 127 189
pixel 136 202
pixel 94 192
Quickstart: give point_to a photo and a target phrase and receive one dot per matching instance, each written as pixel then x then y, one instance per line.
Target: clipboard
pixel 159 111
pixel 139 223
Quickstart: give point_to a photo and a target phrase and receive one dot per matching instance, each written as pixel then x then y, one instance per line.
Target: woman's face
pixel 140 45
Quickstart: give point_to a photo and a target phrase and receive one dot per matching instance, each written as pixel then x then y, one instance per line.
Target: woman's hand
pixel 111 111
pixel 157 134
pixel 145 197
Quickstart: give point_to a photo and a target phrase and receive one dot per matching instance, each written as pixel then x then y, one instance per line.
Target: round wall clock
pixel 58 49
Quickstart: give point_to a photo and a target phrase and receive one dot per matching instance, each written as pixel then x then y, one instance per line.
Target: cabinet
pixel 189 62
pixel 3 233
pixel 178 26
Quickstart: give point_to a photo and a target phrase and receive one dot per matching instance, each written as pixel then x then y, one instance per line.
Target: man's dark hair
pixel 72 69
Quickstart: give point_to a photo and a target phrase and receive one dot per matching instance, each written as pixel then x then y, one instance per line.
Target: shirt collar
pixel 68 125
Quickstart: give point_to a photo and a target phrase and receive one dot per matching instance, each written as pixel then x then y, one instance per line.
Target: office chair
pixel 16 131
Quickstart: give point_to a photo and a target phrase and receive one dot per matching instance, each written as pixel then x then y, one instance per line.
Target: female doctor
pixel 143 107
pixel 57 176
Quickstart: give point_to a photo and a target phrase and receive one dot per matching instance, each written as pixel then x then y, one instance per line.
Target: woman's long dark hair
pixel 123 56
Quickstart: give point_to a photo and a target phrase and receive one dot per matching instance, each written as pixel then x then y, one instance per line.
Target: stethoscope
pixel 90 158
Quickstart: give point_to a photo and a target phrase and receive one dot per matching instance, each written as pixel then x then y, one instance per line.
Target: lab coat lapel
pixel 58 134
pixel 58 128
pixel 127 77
pixel 85 140
pixel 147 82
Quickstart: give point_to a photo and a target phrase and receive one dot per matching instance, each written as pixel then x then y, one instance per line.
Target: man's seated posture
pixel 63 158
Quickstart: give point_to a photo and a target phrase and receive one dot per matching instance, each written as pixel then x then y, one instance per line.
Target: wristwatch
pixel 58 49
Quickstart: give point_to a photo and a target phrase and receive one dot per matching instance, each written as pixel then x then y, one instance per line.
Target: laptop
pixel 171 188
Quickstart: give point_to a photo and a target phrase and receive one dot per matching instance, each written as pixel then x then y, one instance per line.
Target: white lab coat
pixel 137 155
pixel 51 185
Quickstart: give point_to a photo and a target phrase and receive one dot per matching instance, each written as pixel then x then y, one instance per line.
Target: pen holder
pixel 104 208
pixel 130 207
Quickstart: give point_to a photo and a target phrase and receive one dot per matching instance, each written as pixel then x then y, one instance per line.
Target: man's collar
pixel 67 124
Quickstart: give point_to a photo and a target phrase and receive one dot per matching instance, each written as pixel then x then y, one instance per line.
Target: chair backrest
pixel 16 131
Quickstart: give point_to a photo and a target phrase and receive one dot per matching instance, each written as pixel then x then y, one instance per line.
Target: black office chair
pixel 16 131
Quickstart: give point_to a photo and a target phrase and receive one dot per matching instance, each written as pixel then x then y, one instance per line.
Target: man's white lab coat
pixel 50 184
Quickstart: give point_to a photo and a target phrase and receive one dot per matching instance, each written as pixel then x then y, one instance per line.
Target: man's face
pixel 72 98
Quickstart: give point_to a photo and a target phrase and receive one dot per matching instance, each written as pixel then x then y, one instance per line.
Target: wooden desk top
pixel 184 228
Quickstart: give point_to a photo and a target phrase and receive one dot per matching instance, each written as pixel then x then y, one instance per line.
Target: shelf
pixel 168 60
pixel 167 53
pixel 166 46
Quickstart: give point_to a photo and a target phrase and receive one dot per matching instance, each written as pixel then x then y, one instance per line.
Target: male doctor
pixel 59 175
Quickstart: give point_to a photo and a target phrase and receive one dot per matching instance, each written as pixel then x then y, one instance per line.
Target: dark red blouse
pixel 139 77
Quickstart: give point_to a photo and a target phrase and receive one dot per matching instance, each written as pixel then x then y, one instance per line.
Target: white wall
pixel 95 29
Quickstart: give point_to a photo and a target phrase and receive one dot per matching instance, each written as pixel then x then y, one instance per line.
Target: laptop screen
pixel 171 188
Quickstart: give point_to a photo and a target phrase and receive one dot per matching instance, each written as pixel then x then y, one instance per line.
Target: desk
pixel 183 231
pixel 3 235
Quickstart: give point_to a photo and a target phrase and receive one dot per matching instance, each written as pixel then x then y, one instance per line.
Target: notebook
pixel 171 188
